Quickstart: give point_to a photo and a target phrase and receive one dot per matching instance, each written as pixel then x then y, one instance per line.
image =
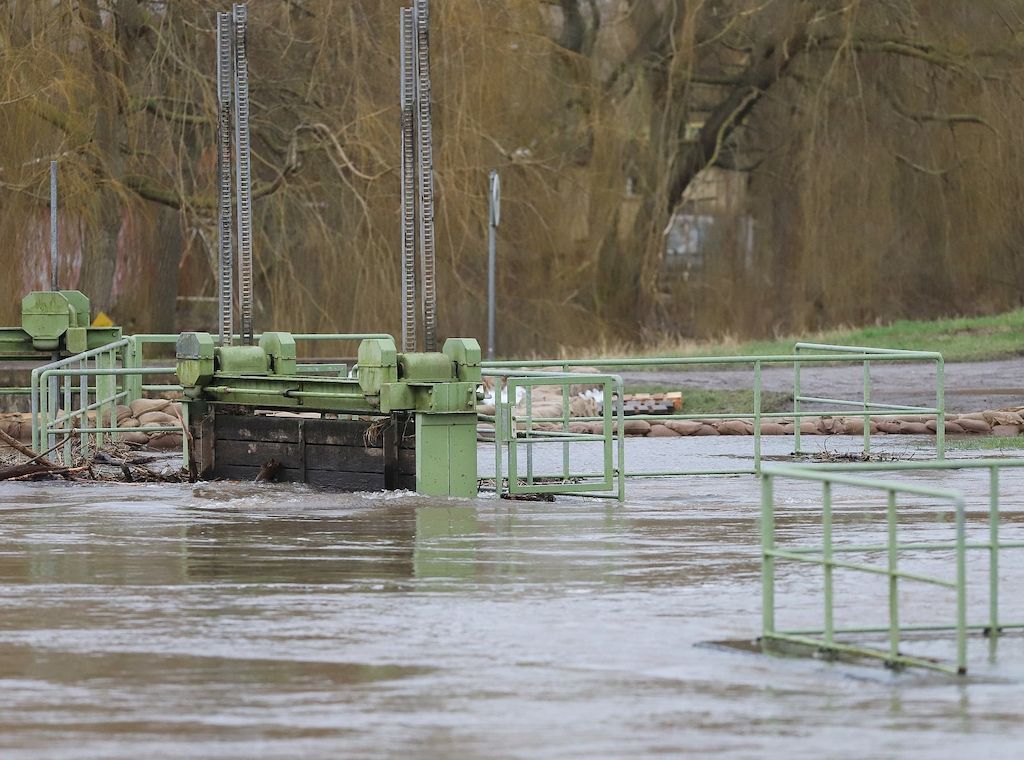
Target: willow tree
pixel 878 139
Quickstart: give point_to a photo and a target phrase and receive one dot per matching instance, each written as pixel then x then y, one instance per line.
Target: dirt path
pixel 970 386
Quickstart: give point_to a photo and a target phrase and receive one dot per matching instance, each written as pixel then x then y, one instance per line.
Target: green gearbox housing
pixel 438 387
pixel 54 321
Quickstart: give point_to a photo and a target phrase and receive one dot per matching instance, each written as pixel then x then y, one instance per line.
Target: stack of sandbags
pixel 17 425
pixel 139 419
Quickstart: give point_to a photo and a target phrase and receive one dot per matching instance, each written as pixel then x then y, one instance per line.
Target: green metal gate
pixel 517 431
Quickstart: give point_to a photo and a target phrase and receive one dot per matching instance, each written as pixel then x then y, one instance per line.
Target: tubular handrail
pixel 825 353
pixel 506 434
pixel 852 474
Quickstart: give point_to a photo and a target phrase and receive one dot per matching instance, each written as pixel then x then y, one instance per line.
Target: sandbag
pixel 772 428
pixel 158 418
pixel 707 430
pixel 165 441
pixel 972 425
pixel 142 405
pixel 684 427
pixel 633 427
pixel 913 428
pixel 950 427
pixel 1005 431
pixel 583 406
pixel 732 427
pixel 662 431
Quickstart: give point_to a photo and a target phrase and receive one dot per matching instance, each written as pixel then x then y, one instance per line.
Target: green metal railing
pixel 66 393
pixel 831 556
pixel 823 354
pixel 514 429
pixel 82 385
pixel 868 407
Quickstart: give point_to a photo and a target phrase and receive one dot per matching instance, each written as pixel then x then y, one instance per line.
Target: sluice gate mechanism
pixel 424 401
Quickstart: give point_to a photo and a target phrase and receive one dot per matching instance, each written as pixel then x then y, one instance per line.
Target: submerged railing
pixel 514 429
pixel 822 354
pixel 832 556
pixel 76 398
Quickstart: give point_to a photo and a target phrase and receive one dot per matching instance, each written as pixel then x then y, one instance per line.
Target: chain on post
pixel 408 103
pixel 426 178
pixel 225 71
pixel 243 176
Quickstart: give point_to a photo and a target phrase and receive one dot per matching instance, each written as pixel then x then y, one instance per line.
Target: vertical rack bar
pixel 426 174
pixel 243 184
pixel 225 75
pixel 54 279
pixel 408 178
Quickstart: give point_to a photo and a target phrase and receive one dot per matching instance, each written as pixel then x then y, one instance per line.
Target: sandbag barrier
pixel 144 422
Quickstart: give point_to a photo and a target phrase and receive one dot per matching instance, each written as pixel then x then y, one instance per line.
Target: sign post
pixel 492 243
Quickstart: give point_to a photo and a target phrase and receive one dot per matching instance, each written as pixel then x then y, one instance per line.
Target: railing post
pixel 826 528
pixel 529 435
pixel 796 402
pixel 38 402
pixel 132 356
pixel 620 388
pixel 867 411
pixel 961 588
pixel 767 558
pixel 940 406
pixel 893 569
pixel 513 437
pixel 565 423
pixel 757 418
pixel 499 413
pixel 993 552
pixel 106 390
pixel 69 421
pixel 83 405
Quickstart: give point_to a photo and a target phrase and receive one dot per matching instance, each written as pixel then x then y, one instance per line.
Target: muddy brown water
pixel 242 620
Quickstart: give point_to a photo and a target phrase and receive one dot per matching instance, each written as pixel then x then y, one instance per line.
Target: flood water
pixel 258 620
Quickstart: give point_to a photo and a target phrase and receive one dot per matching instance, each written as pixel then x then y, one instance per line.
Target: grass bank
pixel 959 340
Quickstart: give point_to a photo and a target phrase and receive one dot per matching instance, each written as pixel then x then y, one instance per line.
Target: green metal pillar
pixel 446 454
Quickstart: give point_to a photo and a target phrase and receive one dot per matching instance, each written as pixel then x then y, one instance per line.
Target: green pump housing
pixel 439 388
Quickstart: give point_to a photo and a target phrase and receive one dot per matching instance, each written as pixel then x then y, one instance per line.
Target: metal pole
pixel 494 219
pixel 225 73
pixel 426 178
pixel 243 184
pixel 408 179
pixel 53 226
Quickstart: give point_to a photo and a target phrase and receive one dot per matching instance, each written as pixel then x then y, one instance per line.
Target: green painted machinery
pixel 54 321
pixel 439 388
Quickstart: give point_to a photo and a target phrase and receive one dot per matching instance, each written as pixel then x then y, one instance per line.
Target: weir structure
pixel 405 416
pixel 422 397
